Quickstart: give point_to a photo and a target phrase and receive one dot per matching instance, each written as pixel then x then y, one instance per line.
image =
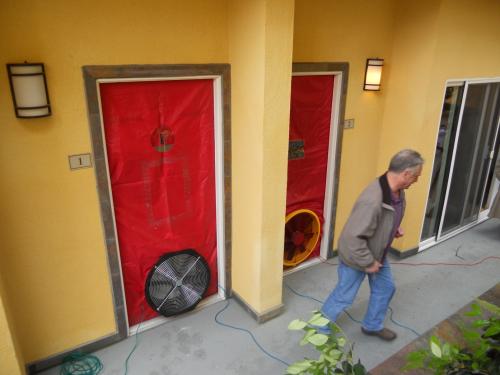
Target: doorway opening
pixel 315 138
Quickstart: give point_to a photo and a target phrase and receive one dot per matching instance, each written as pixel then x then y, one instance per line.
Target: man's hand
pixel 399 233
pixel 373 268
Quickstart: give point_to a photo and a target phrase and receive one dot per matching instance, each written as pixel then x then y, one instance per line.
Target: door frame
pixel 341 72
pixel 220 74
pixel 94 76
pixel 429 242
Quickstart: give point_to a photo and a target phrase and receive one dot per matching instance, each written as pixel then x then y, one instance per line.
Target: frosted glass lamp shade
pixel 373 74
pixel 28 87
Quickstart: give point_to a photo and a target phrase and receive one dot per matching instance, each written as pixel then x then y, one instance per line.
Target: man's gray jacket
pixel 368 229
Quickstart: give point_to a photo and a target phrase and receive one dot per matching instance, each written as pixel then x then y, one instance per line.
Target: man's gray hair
pixel 405 159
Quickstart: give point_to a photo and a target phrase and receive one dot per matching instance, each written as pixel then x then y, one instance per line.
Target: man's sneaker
pixel 385 333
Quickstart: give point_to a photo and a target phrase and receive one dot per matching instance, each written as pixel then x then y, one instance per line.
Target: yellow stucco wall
pixel 434 42
pixel 260 40
pixel 52 251
pixel 10 360
pixel 350 31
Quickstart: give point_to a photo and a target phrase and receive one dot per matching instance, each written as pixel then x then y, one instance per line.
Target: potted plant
pixel 479 356
pixel 335 351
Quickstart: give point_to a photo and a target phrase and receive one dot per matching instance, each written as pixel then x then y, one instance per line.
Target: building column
pixel 260 53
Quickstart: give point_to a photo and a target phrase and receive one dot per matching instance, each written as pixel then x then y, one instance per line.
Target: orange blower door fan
pixel 302 231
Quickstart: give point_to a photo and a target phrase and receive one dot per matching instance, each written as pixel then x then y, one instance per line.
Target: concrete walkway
pixel 426 294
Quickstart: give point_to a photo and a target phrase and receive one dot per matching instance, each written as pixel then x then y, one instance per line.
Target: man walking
pixel 363 244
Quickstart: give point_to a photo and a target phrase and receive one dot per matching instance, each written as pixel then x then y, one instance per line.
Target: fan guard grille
pixel 177 282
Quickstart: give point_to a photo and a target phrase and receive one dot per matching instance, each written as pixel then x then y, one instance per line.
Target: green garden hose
pixel 81 364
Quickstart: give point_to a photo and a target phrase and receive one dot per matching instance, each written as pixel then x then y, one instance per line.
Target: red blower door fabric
pixel 160 149
pixel 310 117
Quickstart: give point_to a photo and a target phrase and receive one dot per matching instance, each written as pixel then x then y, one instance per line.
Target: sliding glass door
pixel 464 158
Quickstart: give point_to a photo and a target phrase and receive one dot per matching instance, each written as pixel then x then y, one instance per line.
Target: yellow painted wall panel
pixel 10 361
pixel 435 42
pixel 53 246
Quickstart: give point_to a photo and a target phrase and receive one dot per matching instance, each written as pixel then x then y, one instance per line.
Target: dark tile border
pixel 91 74
pixel 55 360
pixel 316 67
pixel 403 254
pixel 262 317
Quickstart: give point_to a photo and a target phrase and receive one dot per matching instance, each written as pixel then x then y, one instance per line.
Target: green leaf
pixel 341 341
pixel 471 335
pixel 347 367
pixel 359 369
pixel 480 323
pixel 296 325
pixel 492 331
pixel 475 310
pixel 318 339
pixel 454 350
pixel 334 327
pixel 331 359
pixel 336 354
pixel 416 355
pixel 446 350
pixel 315 315
pixel 305 339
pixel 318 320
pixel 490 307
pixel 435 347
pixel 415 360
pixel 299 367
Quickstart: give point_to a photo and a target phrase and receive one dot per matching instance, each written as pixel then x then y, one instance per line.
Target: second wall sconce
pixel 373 74
pixel 28 87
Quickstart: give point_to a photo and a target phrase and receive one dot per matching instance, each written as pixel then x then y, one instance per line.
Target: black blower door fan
pixel 177 282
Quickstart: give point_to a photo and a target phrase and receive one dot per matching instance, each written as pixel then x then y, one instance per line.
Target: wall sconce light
pixel 28 87
pixel 373 74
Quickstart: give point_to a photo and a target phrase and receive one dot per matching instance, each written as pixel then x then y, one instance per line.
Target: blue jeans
pixel 381 291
